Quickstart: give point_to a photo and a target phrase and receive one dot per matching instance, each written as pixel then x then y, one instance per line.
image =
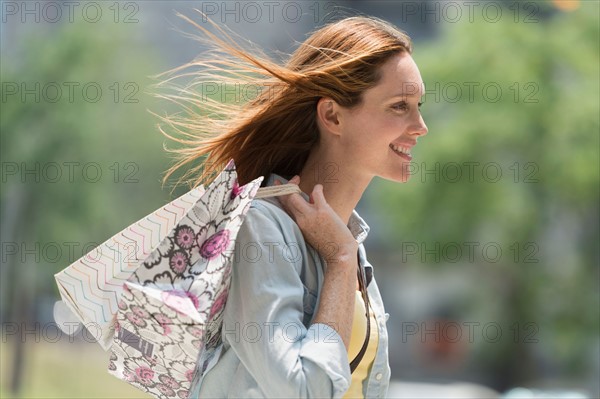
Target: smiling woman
pixel 343 109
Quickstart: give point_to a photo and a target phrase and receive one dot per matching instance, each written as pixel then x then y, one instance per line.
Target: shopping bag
pixel 169 320
pixel 158 337
pixel 165 329
pixel 155 292
pixel 92 285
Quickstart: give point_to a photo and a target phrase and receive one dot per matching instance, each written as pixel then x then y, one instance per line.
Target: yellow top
pixel 359 330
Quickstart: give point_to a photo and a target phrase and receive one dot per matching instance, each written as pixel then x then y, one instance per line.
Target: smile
pixel 403 152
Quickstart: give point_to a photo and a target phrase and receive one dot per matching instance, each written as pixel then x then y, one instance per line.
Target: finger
pixel 294 203
pixel 284 200
pixel 293 180
pixel 317 195
pixel 297 204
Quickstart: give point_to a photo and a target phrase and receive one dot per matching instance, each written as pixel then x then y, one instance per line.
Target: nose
pixel 421 128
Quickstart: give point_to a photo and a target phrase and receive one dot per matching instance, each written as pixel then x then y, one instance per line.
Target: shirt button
pixel 387 316
pixel 378 376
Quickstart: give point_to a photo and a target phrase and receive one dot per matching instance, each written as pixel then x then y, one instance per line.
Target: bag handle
pixel 273 191
pixel 365 295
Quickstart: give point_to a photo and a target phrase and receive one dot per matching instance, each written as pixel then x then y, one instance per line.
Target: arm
pixel 264 321
pixel 322 227
pixel 336 306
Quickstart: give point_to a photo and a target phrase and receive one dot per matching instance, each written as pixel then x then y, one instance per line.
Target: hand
pixel 320 225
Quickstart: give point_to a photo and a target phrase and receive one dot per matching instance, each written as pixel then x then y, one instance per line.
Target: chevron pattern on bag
pixel 92 285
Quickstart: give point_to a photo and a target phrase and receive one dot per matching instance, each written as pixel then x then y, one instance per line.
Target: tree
pixel 80 156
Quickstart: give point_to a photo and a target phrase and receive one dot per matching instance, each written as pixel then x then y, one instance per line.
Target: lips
pixel 403 149
pixel 402 155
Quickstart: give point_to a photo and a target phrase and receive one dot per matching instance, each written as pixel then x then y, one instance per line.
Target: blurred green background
pixel 510 164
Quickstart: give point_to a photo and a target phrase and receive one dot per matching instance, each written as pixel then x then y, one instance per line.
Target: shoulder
pixel 273 233
pixel 267 224
pixel 272 244
pixel 270 208
pixel 267 214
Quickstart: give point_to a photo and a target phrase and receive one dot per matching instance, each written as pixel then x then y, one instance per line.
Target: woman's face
pixel 388 116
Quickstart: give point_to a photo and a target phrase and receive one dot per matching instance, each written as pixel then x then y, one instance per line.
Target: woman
pixel 304 316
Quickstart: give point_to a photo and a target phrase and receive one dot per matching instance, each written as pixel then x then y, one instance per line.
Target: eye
pixel 401 105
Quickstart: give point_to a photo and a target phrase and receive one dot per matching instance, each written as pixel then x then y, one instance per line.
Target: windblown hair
pixel 275 130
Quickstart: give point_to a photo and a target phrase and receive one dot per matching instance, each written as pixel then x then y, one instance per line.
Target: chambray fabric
pixel 270 349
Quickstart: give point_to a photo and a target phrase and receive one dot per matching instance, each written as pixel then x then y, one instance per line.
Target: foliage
pixel 76 166
pixel 65 204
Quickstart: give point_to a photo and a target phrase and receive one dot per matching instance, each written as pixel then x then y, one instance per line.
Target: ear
pixel 328 114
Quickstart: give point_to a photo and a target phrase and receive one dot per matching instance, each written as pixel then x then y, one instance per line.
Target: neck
pixel 343 186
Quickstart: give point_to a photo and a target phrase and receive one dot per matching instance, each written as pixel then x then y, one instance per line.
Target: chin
pixel 402 176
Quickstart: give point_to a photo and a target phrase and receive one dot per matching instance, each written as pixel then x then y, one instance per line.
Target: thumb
pixel 317 195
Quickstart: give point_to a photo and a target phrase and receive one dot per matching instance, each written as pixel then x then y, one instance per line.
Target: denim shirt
pixel 270 348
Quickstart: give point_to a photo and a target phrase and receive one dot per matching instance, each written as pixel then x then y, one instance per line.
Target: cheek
pixel 363 130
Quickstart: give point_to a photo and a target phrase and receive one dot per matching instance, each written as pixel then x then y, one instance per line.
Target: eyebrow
pixel 411 94
pixel 407 95
pixel 404 95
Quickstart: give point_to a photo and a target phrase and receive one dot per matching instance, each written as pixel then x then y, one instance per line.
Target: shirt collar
pixel 357 225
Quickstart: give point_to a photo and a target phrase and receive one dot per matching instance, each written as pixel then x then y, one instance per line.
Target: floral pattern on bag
pixel 170 314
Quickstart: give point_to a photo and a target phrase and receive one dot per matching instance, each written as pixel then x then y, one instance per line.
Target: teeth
pixel 404 150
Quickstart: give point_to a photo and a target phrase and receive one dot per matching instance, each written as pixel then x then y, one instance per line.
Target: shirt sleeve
pixel 263 318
